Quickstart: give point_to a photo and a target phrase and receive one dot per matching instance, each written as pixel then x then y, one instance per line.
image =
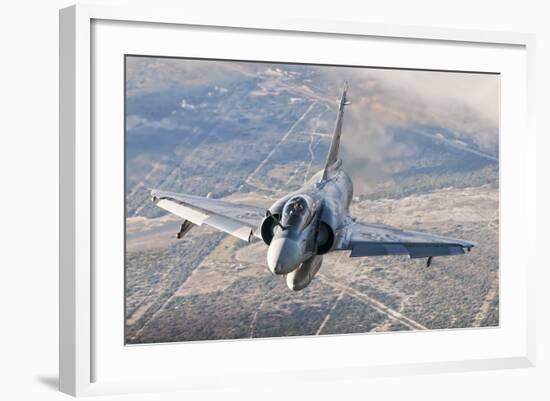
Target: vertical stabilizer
pixel 332 157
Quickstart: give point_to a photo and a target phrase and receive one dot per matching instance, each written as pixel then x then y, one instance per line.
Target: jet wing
pixel 365 239
pixel 241 221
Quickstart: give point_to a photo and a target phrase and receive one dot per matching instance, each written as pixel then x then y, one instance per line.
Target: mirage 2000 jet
pixel 304 225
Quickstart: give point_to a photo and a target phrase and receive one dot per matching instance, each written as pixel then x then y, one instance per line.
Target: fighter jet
pixel 304 225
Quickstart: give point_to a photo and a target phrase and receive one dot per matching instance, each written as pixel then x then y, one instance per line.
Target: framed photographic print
pixel 236 192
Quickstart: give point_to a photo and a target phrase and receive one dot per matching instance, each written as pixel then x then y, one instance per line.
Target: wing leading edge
pixel 241 221
pixel 365 239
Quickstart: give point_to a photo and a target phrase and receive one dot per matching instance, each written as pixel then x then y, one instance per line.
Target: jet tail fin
pixel 332 157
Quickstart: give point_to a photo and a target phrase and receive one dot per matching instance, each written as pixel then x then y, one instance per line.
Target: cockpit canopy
pixel 297 212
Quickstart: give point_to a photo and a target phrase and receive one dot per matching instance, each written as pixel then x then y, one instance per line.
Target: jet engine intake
pixel 267 229
pixel 325 238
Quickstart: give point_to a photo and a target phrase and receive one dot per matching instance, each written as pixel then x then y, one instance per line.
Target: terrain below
pixel 211 286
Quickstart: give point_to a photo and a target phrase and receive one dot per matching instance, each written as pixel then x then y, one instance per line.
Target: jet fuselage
pixel 301 238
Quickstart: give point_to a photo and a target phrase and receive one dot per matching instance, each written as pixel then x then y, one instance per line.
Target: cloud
pixel 465 103
pixel 135 121
pixel 477 92
pixel 185 105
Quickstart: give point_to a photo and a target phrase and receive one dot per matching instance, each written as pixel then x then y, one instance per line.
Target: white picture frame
pixel 79 345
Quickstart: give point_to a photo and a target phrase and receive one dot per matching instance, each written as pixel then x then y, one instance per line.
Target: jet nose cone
pixel 283 256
